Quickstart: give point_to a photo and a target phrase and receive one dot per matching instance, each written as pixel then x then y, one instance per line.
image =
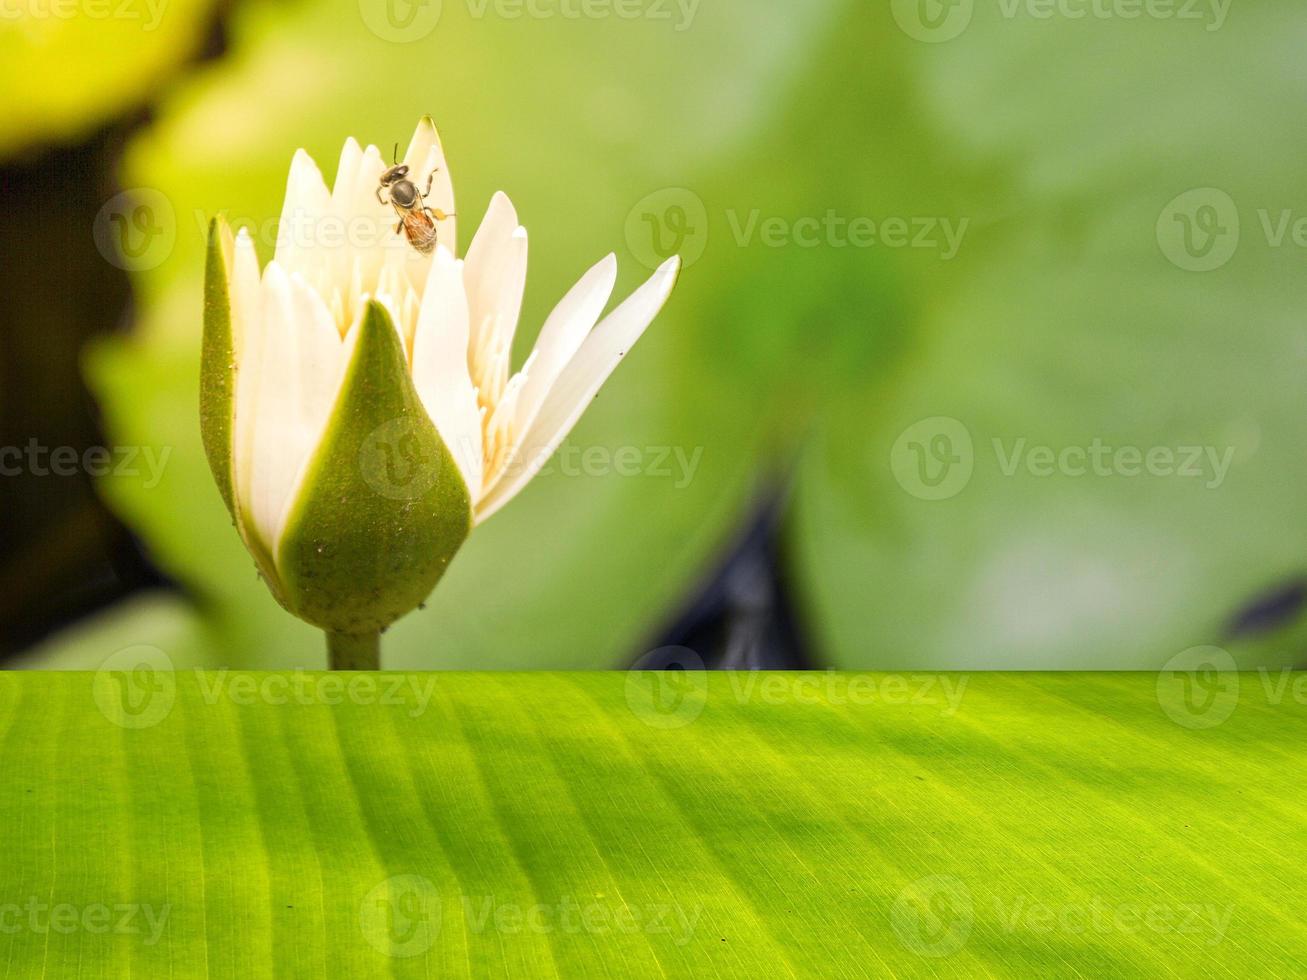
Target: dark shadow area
pixel 743 614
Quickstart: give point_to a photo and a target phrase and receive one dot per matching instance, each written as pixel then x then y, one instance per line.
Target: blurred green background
pixel 1121 188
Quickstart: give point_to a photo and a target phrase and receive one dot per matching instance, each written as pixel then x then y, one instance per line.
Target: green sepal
pixel 383 507
pixel 218 371
pixel 218 362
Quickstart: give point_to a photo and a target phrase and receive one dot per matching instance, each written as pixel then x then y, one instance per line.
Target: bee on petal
pixel 416 221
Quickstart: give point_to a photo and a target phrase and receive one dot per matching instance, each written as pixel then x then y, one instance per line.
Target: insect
pixel 416 220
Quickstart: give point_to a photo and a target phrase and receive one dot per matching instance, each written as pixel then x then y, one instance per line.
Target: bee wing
pixel 420 230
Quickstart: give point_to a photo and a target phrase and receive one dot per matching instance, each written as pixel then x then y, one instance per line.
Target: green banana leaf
pixel 236 824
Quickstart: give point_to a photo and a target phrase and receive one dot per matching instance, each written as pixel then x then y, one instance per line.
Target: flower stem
pixel 354 651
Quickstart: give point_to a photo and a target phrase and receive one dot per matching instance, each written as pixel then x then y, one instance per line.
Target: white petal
pixel 298 372
pixel 495 277
pixel 307 204
pixel 424 140
pixel 321 365
pixel 440 367
pixel 369 221
pixel 245 291
pixel 351 154
pixel 562 335
pixel 578 383
pixel 338 261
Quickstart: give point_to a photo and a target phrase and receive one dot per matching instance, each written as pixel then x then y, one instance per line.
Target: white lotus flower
pixel 299 381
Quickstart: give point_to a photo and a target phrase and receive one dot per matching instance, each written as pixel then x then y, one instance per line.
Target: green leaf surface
pixel 413 825
pixel 1067 318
